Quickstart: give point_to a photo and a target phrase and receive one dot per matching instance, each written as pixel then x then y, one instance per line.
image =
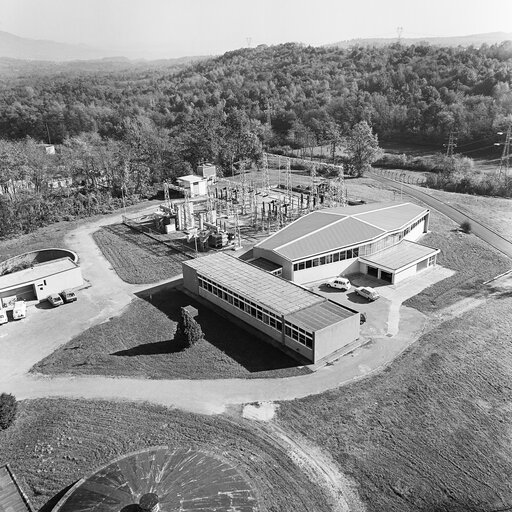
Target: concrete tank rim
pixel 155 448
pixel 72 254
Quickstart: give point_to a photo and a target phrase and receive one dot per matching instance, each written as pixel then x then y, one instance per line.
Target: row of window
pixel 362 250
pixel 298 334
pixel 328 258
pixel 245 305
pixel 263 315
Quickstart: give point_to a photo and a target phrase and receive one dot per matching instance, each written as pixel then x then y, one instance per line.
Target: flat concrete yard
pixel 382 315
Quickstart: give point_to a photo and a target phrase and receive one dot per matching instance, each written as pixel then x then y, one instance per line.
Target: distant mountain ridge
pixel 473 39
pixel 16 47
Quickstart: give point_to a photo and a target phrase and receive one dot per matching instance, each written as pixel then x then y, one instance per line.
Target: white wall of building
pixel 55 284
pixel 416 233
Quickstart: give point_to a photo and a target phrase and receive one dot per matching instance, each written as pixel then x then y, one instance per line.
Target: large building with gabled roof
pixel 376 239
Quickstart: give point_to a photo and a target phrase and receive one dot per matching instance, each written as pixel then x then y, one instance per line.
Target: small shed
pixel 195 185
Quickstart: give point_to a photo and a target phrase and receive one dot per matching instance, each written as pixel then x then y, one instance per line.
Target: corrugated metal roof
pixel 362 208
pixel 318 316
pixel 272 292
pixel 400 255
pixel 335 228
pixel 300 227
pixel 36 272
pixel 394 217
pixel 348 231
pixel 11 498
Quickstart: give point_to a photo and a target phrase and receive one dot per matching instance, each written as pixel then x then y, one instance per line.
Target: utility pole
pixel 505 156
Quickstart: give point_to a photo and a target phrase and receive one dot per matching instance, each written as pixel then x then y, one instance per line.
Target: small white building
pixel 41 280
pixel 195 185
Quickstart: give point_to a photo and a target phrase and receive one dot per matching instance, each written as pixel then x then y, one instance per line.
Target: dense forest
pixel 120 127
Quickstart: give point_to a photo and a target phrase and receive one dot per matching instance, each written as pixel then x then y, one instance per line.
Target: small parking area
pixel 382 315
pixel 377 312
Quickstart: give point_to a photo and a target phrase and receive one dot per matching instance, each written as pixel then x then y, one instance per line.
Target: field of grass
pixel 53 443
pixel 140 343
pixel 473 260
pixel 432 432
pixel 52 235
pixel 494 212
pixel 135 257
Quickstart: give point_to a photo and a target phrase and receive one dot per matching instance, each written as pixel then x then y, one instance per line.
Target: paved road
pixel 482 231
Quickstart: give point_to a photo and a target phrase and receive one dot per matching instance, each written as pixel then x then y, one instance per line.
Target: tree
pixel 8 408
pixel 363 148
pixel 188 331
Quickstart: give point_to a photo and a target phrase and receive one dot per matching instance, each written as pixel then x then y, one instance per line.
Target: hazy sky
pixel 172 28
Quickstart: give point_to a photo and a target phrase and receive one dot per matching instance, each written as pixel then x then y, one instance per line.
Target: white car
pixel 20 310
pixel 367 292
pixel 342 283
pixel 3 316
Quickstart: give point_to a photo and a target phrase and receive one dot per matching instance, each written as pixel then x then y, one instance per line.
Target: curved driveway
pixel 484 232
pixel 26 342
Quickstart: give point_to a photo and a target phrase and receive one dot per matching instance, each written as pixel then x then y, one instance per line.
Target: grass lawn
pixel 135 257
pixel 140 343
pixel 52 235
pixel 494 212
pixel 473 260
pixel 432 432
pixel 53 443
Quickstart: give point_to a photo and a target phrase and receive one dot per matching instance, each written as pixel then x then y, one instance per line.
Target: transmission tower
pixel 243 185
pixel 505 156
pixel 266 176
pixel 288 182
pixel 313 191
pixel 399 31
pixel 452 144
pixel 341 190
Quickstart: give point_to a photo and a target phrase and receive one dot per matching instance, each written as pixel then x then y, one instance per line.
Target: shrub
pixel 8 408
pixel 188 331
pixel 466 226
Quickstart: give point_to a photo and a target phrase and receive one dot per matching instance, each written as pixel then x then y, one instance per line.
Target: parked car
pixel 19 310
pixel 367 292
pixel 342 283
pixel 55 300
pixel 68 296
pixel 3 316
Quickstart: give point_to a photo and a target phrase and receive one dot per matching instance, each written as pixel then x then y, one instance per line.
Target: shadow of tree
pixel 254 354
pixel 147 349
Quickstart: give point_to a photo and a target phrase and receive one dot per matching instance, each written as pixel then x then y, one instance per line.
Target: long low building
pixel 371 238
pixel 303 322
pixel 41 280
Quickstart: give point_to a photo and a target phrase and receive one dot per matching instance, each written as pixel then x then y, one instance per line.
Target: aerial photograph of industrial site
pixel 255 256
